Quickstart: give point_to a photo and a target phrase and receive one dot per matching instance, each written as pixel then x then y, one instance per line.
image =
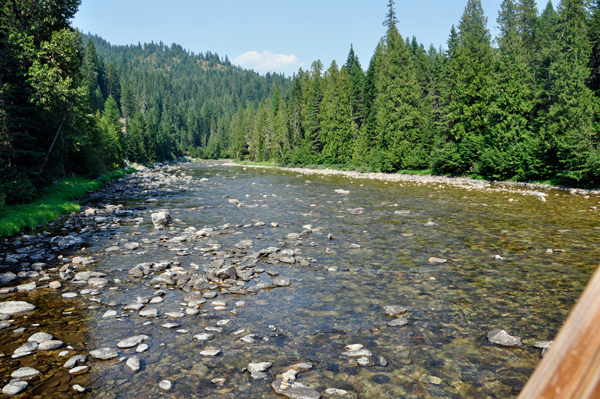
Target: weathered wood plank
pixel 571 367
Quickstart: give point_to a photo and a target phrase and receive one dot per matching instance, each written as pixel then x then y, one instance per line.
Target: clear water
pixel 452 306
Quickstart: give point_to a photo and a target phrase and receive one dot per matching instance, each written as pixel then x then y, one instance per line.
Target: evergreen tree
pixel 390 17
pixel 399 101
pixel 366 141
pixel 314 107
pixel 512 101
pixel 357 82
pixel 336 116
pixel 112 137
pixel 467 94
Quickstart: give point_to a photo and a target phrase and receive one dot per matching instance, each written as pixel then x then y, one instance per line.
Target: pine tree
pixel 527 23
pixel 390 17
pixel 357 82
pixel 366 141
pixel 512 101
pixel 314 107
pixel 336 116
pixel 398 102
pixel 467 93
pixel 112 137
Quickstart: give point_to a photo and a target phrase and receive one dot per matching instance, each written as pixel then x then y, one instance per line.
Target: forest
pixel 521 106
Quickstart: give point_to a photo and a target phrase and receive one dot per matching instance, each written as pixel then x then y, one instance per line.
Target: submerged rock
pixel 132 341
pixel 501 337
pixel 295 391
pixel 104 353
pixel 394 310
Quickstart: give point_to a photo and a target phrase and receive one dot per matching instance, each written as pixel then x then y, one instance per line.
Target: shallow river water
pixel 497 276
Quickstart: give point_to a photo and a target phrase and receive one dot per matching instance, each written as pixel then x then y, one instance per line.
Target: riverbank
pixel 57 200
pixel 536 189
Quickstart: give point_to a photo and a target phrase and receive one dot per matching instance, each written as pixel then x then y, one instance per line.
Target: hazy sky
pixel 267 35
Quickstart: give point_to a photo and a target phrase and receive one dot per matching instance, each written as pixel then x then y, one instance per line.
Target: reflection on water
pixel 338 300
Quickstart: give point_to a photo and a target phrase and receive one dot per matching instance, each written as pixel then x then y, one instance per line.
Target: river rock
pixel 40 337
pixel 210 352
pixel 79 370
pixel 543 344
pixel 295 391
pixel 149 312
pixel 165 385
pixel 26 348
pixel 141 348
pixel 501 337
pixel 14 388
pixel 24 372
pixel 50 345
pixel 430 379
pixel 227 272
pixel 434 260
pixel 132 341
pixel 204 337
pixel 357 211
pixel 259 367
pixel 26 287
pixel 394 310
pixel 75 361
pixel 399 322
pixel 161 219
pixel 134 364
pixel 358 353
pixel 96 281
pixel 15 307
pixel 104 353
pixel 281 281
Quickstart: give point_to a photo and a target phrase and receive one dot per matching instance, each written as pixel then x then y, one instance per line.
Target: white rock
pixel 165 385
pixel 134 364
pixel 132 341
pixel 14 388
pixel 14 307
pixel 40 337
pixel 24 372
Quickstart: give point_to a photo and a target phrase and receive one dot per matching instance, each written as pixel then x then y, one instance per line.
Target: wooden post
pixel 571 367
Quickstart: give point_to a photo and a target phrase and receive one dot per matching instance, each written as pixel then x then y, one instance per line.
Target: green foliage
pixel 55 201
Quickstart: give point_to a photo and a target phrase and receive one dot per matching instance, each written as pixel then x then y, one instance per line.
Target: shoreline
pixel 533 189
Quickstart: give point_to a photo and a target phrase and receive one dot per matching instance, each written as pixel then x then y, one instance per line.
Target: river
pixel 497 274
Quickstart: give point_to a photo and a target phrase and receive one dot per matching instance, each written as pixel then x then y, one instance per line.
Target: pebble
pixel 431 379
pixel 363 361
pixel 165 385
pixel 69 295
pixel 109 314
pixel 295 391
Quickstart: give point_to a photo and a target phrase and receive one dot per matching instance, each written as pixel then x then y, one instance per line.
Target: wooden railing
pixel 571 367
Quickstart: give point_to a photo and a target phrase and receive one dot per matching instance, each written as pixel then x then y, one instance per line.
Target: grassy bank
pixel 55 201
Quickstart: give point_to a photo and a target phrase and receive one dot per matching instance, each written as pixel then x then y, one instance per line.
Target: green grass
pixel 55 201
pixel 423 172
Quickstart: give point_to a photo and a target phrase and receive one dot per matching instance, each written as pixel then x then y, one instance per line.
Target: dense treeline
pixel 74 104
pixel 524 107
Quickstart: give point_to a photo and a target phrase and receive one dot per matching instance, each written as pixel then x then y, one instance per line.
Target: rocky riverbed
pixel 213 280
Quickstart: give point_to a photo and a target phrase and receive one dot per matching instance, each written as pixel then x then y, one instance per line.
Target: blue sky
pixel 267 35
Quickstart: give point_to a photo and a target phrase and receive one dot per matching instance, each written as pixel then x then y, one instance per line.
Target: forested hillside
pixel 521 106
pixel 175 102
